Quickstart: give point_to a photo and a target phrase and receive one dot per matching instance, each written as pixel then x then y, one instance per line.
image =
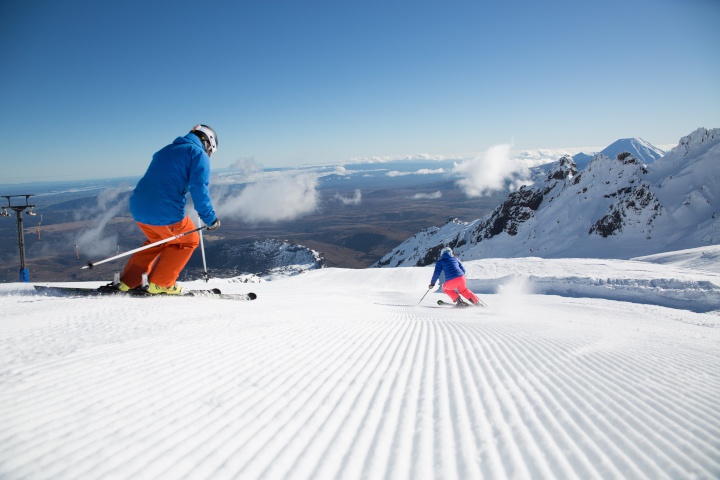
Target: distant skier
pixel 158 206
pixel 454 278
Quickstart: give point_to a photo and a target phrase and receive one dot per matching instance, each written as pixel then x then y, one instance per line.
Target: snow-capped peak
pixel 639 148
pixel 642 150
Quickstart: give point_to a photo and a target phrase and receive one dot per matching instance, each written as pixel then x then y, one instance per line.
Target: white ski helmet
pixel 446 250
pixel 208 136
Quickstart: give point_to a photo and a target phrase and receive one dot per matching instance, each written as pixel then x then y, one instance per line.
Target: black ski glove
pixel 214 226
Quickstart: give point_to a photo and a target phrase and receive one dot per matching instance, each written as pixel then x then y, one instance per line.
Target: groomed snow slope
pixel 339 374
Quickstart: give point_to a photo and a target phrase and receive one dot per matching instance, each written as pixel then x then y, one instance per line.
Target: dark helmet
pixel 208 136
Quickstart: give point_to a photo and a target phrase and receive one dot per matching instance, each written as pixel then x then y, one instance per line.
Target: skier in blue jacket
pixel 454 278
pixel 158 206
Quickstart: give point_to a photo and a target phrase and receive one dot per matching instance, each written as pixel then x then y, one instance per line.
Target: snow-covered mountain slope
pixel 340 374
pixel 686 182
pixel 615 208
pixel 702 258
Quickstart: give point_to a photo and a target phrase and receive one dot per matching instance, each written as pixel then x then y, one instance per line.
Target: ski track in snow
pixel 317 379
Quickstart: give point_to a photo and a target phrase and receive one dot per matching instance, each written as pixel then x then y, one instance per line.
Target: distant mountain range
pixel 631 199
pixel 248 262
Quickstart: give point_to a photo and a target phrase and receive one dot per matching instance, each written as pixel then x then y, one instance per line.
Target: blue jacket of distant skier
pixel 450 266
pixel 161 194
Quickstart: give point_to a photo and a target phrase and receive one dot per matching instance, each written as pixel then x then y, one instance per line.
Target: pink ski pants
pixel 458 284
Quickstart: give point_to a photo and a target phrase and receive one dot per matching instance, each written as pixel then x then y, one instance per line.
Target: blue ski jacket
pixel 161 194
pixel 450 266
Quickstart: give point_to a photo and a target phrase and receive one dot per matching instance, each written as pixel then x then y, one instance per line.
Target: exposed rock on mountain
pixel 261 259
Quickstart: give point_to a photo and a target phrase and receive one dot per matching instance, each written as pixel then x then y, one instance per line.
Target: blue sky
pixel 92 89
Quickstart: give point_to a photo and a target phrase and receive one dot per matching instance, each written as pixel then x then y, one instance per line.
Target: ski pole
pixel 423 297
pixel 130 252
pixel 205 275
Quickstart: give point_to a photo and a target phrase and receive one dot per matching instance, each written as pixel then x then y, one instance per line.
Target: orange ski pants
pixel 162 263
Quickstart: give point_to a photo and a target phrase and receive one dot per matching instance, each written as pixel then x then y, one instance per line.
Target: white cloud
pixel 395 158
pixel 94 241
pixel 340 170
pixel 422 171
pixel 243 170
pixel 274 200
pixel 427 196
pixel 354 200
pixel 491 172
pixel 246 166
pixel 542 156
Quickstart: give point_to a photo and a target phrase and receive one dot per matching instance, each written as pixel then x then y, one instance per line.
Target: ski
pixel 446 304
pixel 109 291
pixel 450 304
